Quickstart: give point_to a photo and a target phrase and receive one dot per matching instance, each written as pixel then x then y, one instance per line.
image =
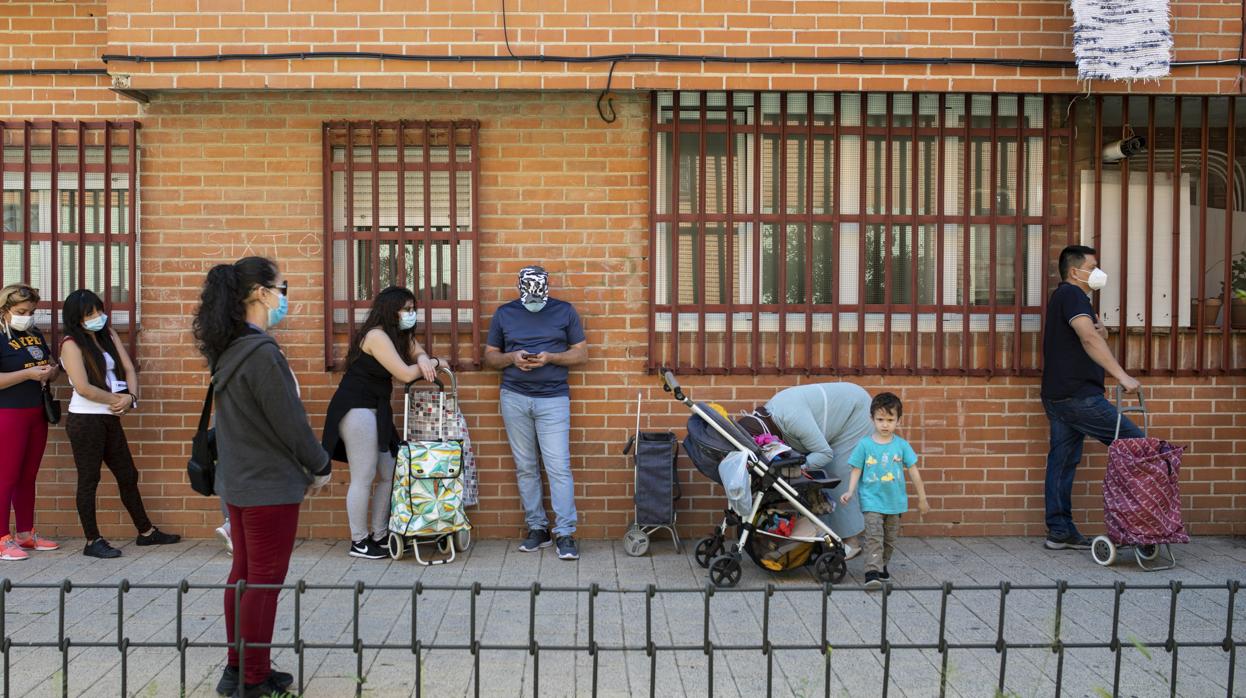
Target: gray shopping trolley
pixel 656 486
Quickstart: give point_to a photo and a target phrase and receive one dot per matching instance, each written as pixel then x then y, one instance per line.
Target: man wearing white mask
pixel 1075 358
pixel 534 340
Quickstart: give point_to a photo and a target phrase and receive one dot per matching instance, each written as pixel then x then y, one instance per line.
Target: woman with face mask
pixel 92 353
pixel 268 458
pixel 359 426
pixel 26 366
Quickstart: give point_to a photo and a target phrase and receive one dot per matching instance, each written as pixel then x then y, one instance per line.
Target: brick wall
pixel 238 172
pixel 229 174
pixel 1030 29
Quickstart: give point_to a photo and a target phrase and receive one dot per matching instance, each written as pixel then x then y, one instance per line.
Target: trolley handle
pixel 1122 410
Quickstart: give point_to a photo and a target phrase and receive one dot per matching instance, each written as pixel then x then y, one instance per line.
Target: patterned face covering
pixel 533 285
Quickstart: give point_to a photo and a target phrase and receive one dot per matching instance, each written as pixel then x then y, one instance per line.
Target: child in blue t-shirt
pixel 878 465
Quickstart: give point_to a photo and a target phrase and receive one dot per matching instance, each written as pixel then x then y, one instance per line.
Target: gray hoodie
pixel 267 451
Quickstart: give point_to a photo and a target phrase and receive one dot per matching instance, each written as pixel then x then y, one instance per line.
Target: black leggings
pixel 97 438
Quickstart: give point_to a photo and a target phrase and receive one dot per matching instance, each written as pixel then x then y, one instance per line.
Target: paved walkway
pixel 562 618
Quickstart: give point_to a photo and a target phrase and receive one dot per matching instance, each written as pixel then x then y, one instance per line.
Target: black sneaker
pixel 537 538
pixel 1072 541
pixel 368 549
pixel 101 549
pixel 229 681
pixel 269 687
pixel 884 575
pixel 873 580
pixel 158 537
pixel 567 549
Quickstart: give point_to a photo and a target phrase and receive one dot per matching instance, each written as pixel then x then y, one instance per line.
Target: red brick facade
pixel 231 165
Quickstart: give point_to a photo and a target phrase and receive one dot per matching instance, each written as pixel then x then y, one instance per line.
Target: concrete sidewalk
pixel 502 617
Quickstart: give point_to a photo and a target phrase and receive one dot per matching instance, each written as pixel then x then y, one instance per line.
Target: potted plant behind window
pixel 1238 290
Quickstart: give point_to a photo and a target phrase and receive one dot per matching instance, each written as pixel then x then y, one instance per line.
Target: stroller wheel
pixel 830 566
pixel 463 539
pixel 725 571
pixel 1103 550
pixel 396 546
pixel 635 542
pixel 1147 552
pixel 706 549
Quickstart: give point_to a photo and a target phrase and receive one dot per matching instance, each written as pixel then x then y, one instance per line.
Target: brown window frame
pixel 971 335
pixel 454 308
pixel 72 148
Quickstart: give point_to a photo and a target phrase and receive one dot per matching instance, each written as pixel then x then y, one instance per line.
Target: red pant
pixel 23 437
pixel 263 541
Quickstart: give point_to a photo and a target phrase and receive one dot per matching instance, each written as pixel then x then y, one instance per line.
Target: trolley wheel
pixel 725 570
pixel 1103 550
pixel 1147 553
pixel 396 546
pixel 463 539
pixel 830 566
pixel 706 549
pixel 636 542
pixel 443 544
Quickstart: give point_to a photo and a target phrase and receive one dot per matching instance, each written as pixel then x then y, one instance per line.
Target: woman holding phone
pixel 359 426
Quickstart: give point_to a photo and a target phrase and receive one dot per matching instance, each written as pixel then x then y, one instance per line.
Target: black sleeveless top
pixel 368 385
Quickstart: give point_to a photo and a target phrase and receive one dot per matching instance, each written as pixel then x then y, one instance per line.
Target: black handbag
pixel 51 406
pixel 201 468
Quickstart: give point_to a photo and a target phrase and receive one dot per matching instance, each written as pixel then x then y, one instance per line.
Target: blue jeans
pixel 1072 420
pixel 541 426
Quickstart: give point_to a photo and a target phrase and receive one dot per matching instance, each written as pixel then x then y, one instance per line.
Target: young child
pixel 878 464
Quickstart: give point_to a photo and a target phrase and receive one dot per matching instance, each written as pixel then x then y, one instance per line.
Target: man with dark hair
pixel 533 340
pixel 1075 358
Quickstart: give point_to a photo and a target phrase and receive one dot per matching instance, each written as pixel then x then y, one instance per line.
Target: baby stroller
pixel 1141 498
pixel 426 498
pixel 779 532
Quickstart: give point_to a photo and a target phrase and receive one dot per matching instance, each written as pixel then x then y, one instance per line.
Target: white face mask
pixel 407 320
pixel 1097 280
pixel 21 323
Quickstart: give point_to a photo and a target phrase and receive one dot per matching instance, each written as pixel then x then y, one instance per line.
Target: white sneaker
pixel 224 534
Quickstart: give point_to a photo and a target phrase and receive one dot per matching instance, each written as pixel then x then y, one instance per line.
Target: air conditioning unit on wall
pixel 1160 253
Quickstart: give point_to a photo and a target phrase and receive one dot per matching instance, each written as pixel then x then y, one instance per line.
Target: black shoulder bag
pixel 201 468
pixel 51 406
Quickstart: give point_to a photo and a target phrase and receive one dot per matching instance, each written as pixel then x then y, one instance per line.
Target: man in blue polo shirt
pixel 533 340
pixel 1075 357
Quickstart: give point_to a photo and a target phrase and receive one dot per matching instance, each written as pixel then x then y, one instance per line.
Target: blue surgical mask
pixel 406 320
pixel 276 315
pixel 97 323
pixel 535 306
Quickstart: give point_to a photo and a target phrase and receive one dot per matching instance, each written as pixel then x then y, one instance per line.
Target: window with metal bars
pixel 400 202
pixel 867 233
pixel 68 215
pixel 1173 241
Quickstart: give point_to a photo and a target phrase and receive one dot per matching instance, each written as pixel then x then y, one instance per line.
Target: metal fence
pixel 474 643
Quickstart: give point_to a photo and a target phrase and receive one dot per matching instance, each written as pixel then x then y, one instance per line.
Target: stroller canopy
pixel 707 447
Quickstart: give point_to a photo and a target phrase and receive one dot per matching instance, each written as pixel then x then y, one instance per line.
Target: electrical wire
pixel 506 33
pixel 608 97
pixel 53 71
pixel 631 58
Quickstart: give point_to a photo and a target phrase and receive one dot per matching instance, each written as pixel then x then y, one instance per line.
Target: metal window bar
pixel 769 643
pixel 369 252
pixel 978 301
pixel 82 155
